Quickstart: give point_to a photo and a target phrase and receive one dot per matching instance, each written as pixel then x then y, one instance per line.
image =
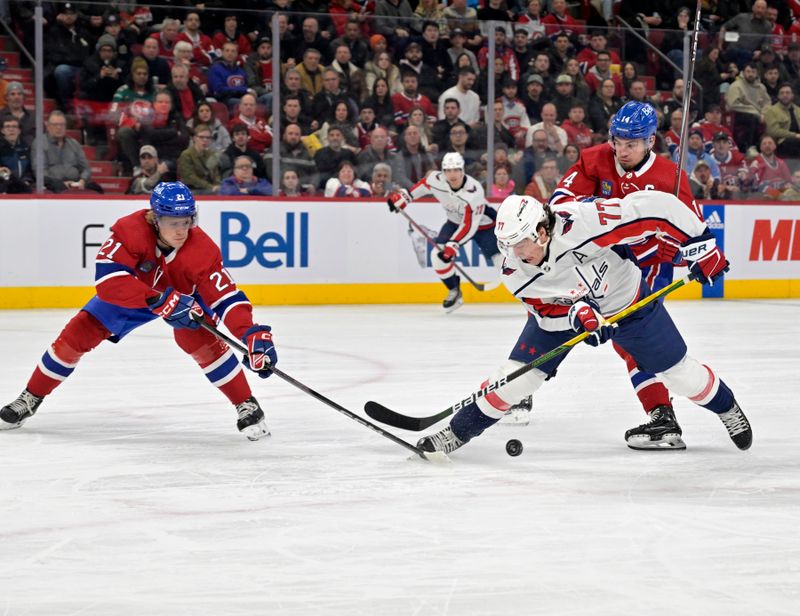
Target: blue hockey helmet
pixel 634 120
pixel 173 199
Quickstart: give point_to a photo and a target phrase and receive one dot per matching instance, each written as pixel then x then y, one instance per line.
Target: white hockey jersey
pixel 466 207
pixel 580 260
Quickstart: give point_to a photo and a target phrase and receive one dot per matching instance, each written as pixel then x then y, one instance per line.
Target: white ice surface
pixel 131 492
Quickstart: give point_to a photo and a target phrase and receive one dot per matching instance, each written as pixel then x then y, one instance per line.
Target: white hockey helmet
pixel 518 218
pixel 453 160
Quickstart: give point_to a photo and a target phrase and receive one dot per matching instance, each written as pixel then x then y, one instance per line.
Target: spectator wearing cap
pixel 409 98
pixel 696 151
pixel 150 172
pixel 15 108
pixel 747 98
pixel 752 28
pixel 16 173
pixel 792 62
pixel 394 19
pixel 428 82
pixel 457 40
pixel 91 17
pixel 203 50
pixel 377 44
pixel 461 15
pixel 469 102
pixel 711 124
pixel 767 59
pixel 124 37
pixel 101 75
pixel 702 183
pixel 355 39
pixel 230 33
pixel 503 51
pixel 65 164
pixel 227 81
pixel 533 97
pixel 243 181
pixel 783 123
pixel 258 68
pixel 733 171
pixel 66 47
pixel 564 97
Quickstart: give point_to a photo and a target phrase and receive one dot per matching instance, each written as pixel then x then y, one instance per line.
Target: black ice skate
pixel 453 300
pixel 738 427
pixel 444 441
pixel 13 415
pixel 251 420
pixel 661 432
pixel 520 413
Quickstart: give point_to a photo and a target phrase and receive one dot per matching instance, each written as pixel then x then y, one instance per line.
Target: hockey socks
pixel 650 391
pixel 716 396
pixel 470 422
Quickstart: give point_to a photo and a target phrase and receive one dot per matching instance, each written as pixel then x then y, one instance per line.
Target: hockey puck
pixel 513 447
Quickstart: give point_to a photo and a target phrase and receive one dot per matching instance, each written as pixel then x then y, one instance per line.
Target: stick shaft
pixel 314 394
pixel 688 78
pixel 413 223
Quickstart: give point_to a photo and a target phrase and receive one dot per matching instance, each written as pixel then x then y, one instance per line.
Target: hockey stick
pixel 385 415
pixel 687 98
pixel 478 285
pixel 433 457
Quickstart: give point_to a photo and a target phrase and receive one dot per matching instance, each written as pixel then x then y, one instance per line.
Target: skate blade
pixel 436 457
pixel 668 442
pixel 455 306
pixel 4 425
pixel 513 418
pixel 256 432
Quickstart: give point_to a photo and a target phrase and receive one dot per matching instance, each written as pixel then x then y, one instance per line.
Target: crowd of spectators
pixel 373 94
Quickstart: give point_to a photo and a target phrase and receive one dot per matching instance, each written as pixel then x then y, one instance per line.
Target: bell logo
pixel 780 244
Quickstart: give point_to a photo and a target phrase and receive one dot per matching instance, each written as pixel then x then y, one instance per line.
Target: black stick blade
pixel 380 413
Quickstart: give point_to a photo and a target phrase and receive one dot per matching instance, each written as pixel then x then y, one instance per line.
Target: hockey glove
pixel 449 252
pixel 584 316
pixel 704 259
pixel 261 352
pixel 398 200
pixel 654 250
pixel 176 309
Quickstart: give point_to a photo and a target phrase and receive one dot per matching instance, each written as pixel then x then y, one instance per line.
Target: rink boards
pixel 322 251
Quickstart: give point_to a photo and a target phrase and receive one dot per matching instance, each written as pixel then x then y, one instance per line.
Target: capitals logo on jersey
pixel 566 218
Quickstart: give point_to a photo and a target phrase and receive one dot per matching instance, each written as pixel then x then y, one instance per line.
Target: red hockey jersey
pixel 130 268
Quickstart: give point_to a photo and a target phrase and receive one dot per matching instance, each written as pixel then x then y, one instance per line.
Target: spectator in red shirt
pixel 578 133
pixel 602 71
pixel 258 129
pixel 231 33
pixel 588 55
pixel 203 50
pixel 559 20
pixel 771 175
pixel 167 37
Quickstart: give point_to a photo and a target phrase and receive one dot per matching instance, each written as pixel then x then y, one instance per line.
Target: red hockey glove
pixel 261 353
pixel 704 258
pixel 654 250
pixel 449 252
pixel 176 309
pixel 584 316
pixel 398 200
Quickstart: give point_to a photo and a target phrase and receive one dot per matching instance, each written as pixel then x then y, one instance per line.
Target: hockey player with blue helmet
pixel 158 264
pixel 627 164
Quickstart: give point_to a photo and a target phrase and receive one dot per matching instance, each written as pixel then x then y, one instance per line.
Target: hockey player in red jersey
pixel 615 169
pixel 158 264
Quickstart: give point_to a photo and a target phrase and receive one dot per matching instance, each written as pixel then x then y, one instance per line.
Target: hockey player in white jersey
pixel 564 265
pixel 469 217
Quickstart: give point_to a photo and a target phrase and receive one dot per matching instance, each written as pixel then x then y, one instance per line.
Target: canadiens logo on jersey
pixel 606 186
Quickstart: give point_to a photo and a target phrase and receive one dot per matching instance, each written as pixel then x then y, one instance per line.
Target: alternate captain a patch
pixel 606 187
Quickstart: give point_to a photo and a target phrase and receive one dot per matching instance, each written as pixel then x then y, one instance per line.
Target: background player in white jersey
pixel 469 217
pixel 566 266
pixel 158 264
pixel 624 165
